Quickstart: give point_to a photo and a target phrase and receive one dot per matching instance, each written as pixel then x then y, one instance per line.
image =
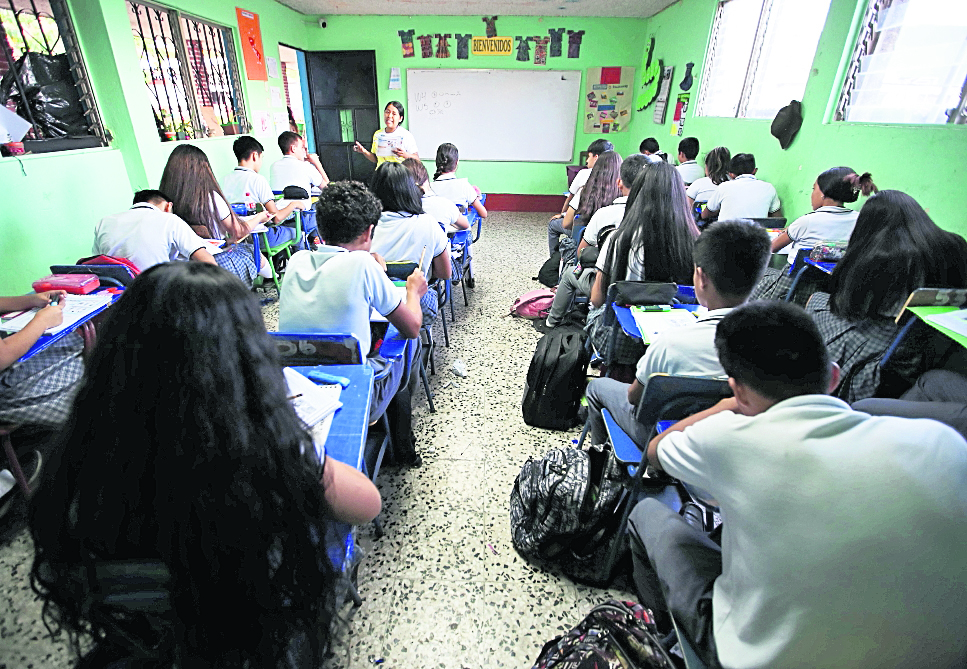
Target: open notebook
pixel 315 405
pixel 76 308
pixel 651 323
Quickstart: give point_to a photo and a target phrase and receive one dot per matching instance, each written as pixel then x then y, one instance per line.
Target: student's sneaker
pixel 416 462
pixel 31 466
pixel 694 515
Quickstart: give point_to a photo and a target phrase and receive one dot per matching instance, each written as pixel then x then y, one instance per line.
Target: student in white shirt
pixel 392 144
pixel 446 184
pixel 842 534
pixel 443 210
pixel 555 226
pixel 687 167
pixel 298 167
pixel 148 234
pixel 716 172
pixel 650 149
pixel 744 196
pixel 729 258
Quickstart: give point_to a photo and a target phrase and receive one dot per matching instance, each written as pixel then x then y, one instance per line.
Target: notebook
pixel 651 323
pixel 76 308
pixel 312 403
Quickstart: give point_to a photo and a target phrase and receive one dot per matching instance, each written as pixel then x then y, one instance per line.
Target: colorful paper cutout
pixel 523 48
pixel 406 37
pixel 610 75
pixel 557 36
pixel 574 43
pixel 426 45
pixel 491 22
pixel 442 45
pixel 540 50
pixel 463 46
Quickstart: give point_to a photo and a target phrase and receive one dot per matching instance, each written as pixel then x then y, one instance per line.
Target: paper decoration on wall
pixel 650 78
pixel 687 79
pixel 406 37
pixel 426 45
pixel 281 122
pixel 491 22
pixel 557 36
pixel 463 46
pixel 272 67
pixel 492 46
pixel 275 96
pixel 262 123
pixel 395 81
pixel 681 107
pixel 442 45
pixel 540 50
pixel 661 106
pixel 523 48
pixel 574 43
pixel 252 52
pixel 609 93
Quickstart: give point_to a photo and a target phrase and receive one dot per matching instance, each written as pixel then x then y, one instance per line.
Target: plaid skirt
pixel 41 389
pixel 627 351
pixel 240 261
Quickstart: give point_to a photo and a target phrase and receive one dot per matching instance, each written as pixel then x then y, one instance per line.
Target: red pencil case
pixel 78 284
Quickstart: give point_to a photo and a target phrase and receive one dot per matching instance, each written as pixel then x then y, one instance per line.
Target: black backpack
pixel 550 272
pixel 556 380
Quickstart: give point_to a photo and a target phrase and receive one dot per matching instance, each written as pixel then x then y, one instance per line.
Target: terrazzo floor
pixel 443 587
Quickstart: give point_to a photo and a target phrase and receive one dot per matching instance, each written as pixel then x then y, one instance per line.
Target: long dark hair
pixel 602 186
pixel 447 157
pixel 843 184
pixel 393 185
pixel 182 448
pixel 717 164
pixel 657 227
pixel 895 248
pixel 189 182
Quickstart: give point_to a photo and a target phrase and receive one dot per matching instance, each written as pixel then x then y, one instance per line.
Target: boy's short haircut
pixel 742 163
pixel 418 170
pixel 630 168
pixel 650 145
pixel 245 146
pixel 287 140
pixel 774 348
pixel 345 210
pixel 151 196
pixel 733 255
pixel 599 146
pixel 688 147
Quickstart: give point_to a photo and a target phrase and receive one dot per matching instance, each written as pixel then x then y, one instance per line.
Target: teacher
pixel 392 144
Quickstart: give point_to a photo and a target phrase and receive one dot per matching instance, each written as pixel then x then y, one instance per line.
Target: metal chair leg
pixel 453 315
pixel 426 387
pixel 12 460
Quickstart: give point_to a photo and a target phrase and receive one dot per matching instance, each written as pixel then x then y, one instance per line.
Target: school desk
pixel 627 321
pixel 47 340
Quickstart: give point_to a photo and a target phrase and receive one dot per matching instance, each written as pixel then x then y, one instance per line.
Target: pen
pixel 292 397
pixel 420 267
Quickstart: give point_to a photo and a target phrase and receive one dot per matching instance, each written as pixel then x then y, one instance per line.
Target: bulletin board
pixel 608 99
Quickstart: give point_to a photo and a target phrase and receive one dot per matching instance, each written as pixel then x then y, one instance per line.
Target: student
pixel 650 149
pixel 394 143
pixel 335 288
pixel 687 167
pixel 210 473
pixel 716 172
pixel 842 534
pixel 555 227
pixel 895 248
pixel 744 196
pixel 148 234
pixel 446 184
pixel 940 394
pixel 443 210
pixel 599 191
pixel 729 257
pixel 298 167
pixel 611 215
pixel 197 198
pixel 245 184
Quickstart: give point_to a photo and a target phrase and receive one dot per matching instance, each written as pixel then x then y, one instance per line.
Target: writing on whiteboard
pixel 435 103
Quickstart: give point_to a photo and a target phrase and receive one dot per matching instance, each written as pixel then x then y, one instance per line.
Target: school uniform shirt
pixel 401 236
pixel 690 171
pixel 444 211
pixel 701 190
pixel 823 224
pixel 290 171
pixel 843 534
pixel 146 236
pixel 635 271
pixel 577 183
pixel 684 351
pixel 333 290
pixel 458 191
pixel 603 217
pixel 244 180
pixel 384 143
pixel 744 197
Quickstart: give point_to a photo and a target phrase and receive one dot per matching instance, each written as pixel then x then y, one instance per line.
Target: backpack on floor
pixel 569 253
pixel 614 635
pixel 550 272
pixel 556 380
pixel 533 304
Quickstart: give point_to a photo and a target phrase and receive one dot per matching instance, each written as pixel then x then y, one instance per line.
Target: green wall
pixel 922 160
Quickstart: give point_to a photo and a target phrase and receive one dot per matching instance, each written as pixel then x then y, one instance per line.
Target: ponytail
pixel 446 159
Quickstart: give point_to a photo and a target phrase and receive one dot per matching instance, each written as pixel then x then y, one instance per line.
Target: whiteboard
pixel 496 115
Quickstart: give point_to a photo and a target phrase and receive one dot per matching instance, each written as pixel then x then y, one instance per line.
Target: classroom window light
pixel 190 73
pixel 43 78
pixel 909 64
pixel 759 56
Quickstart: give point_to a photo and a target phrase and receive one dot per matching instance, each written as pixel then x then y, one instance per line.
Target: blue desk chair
pixel 398 271
pixel 631 293
pixel 475 218
pixel 462 264
pixel 262 244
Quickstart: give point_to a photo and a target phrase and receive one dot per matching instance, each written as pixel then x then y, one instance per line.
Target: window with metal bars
pixel 43 79
pixel 190 72
pixel 909 64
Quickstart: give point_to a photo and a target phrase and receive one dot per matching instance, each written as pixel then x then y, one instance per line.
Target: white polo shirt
pixel 146 236
pixel 701 190
pixel 581 178
pixel 333 290
pixel 458 191
pixel 443 210
pixel 244 180
pixel 401 237
pixel 744 197
pixel 684 351
pixel 844 538
pixel 290 171
pixel 603 217
pixel 691 171
pixel 822 225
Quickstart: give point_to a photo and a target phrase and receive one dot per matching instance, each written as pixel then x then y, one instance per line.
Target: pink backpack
pixel 533 304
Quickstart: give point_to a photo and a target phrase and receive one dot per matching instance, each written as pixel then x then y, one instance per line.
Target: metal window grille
pixel 865 44
pixel 190 72
pixel 43 78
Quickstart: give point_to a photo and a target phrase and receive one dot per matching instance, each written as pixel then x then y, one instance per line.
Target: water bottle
pixel 250 204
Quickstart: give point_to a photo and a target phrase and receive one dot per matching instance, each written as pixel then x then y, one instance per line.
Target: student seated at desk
pixel 729 257
pixel 744 196
pixel 148 234
pixel 555 226
pixel 210 473
pixel 443 210
pixel 649 149
pixel 336 287
pixel 298 167
pixel 895 248
pixel 447 184
pixel 690 170
pixel 716 172
pixel 600 190
pixel 844 536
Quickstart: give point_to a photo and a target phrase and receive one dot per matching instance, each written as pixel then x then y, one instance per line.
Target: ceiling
pixel 606 8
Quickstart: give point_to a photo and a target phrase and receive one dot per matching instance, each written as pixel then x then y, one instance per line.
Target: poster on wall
pixel 252 52
pixel 608 99
pixel 681 108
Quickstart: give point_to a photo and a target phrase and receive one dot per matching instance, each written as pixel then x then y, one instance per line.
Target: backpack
pixel 556 380
pixel 569 252
pixel 550 272
pixel 614 635
pixel 533 304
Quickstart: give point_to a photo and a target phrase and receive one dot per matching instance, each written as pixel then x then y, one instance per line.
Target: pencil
pixel 420 267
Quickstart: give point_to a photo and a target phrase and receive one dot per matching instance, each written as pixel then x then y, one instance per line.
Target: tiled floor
pixel 443 587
